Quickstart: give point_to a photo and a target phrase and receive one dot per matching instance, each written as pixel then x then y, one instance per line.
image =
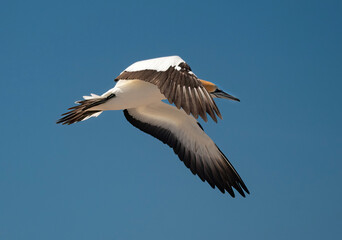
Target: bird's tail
pixel 82 111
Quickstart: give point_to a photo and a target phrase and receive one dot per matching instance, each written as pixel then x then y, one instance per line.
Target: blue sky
pixel 103 179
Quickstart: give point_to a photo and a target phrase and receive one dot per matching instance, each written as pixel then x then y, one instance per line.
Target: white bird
pixel 139 92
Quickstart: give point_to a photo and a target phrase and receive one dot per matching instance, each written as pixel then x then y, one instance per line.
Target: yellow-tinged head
pixel 209 86
pixel 216 92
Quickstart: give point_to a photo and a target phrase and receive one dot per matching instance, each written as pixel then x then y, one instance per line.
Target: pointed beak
pixel 221 94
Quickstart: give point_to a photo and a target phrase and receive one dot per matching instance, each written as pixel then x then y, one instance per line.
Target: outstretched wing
pixel 177 82
pixel 192 145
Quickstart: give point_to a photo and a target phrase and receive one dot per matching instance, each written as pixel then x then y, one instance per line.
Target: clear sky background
pixel 104 179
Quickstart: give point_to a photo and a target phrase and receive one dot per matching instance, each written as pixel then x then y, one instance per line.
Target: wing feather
pixel 181 132
pixel 170 81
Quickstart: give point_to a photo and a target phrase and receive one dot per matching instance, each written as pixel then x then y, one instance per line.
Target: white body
pixel 130 94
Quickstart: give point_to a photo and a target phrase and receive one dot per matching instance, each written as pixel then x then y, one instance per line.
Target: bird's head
pixel 215 92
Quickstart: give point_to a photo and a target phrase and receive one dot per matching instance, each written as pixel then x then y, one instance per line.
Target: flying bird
pixel 139 92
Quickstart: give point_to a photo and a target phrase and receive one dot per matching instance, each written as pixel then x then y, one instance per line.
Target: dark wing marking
pixel 181 87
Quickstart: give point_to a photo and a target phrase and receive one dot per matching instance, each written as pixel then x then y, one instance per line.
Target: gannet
pixel 140 90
